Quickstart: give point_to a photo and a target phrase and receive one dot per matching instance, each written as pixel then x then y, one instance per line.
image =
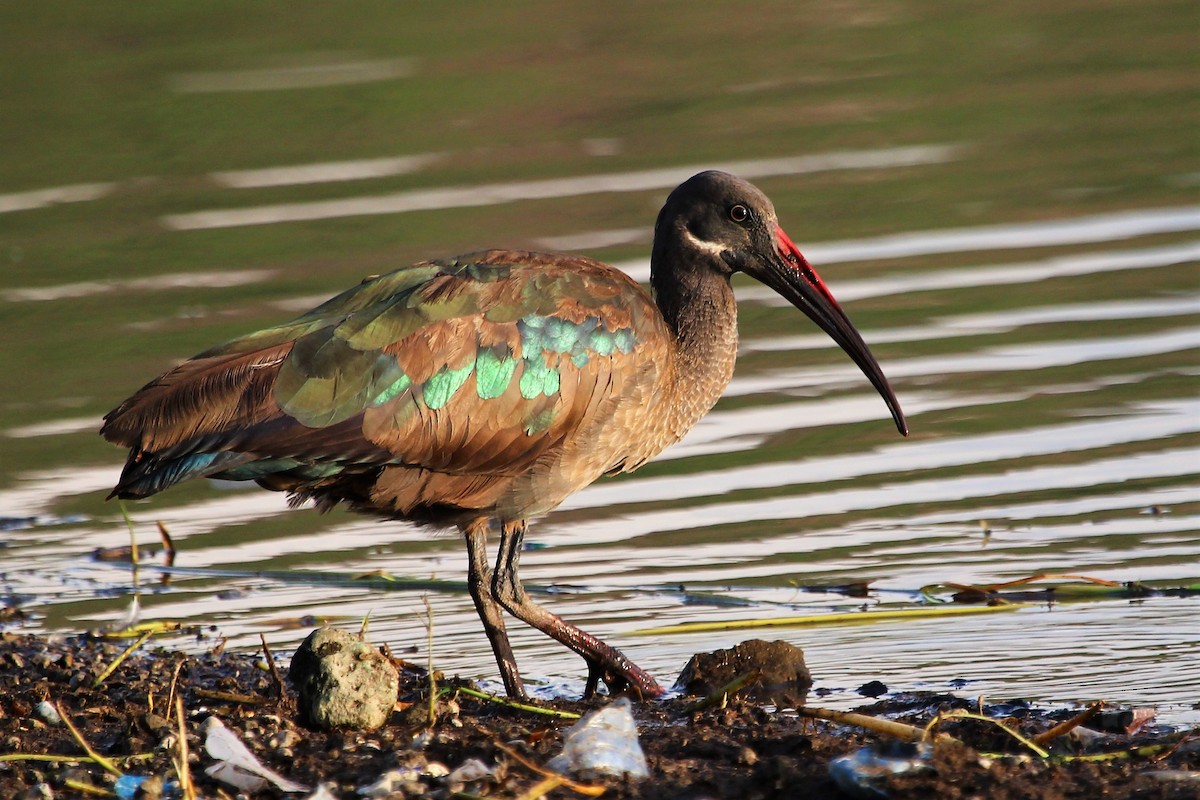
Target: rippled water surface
pixel 1052 395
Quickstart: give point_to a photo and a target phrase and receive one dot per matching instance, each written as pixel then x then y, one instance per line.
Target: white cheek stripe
pixel 705 246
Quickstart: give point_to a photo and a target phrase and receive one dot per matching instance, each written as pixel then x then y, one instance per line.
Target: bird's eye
pixel 739 213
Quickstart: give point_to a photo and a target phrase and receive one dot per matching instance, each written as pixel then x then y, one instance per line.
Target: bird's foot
pixel 626 678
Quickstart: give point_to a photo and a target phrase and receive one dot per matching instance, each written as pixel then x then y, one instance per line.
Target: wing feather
pixel 472 369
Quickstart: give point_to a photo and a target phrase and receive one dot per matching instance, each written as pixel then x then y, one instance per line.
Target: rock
pixel 342 682
pixel 782 679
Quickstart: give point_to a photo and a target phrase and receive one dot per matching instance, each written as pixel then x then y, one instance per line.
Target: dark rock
pixel 342 682
pixel 872 689
pixel 782 678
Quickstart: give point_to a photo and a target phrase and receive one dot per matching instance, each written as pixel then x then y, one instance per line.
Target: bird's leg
pixel 604 661
pixel 479 583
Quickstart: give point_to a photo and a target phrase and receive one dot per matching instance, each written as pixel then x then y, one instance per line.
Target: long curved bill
pixel 796 281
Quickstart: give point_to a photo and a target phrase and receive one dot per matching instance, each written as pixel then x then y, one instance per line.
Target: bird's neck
pixel 699 308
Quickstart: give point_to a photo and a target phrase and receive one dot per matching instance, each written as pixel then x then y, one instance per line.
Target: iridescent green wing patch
pixel 338 366
pixel 538 378
pixel 442 385
pixel 493 373
pixel 542 336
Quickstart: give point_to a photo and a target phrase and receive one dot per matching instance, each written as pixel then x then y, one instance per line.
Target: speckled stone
pixel 342 682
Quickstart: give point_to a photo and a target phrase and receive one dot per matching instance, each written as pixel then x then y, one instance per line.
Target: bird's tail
pixel 146 474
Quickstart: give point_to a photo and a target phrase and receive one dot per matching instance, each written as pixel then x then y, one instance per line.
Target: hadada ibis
pixel 481 391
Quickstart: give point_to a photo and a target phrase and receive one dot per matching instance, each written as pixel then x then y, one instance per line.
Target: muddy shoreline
pixel 733 749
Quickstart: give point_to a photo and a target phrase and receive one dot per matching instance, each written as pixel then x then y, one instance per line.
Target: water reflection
pixel 1049 420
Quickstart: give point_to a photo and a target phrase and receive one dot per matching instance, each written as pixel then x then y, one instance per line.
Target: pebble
pixel 343 682
pixel 783 677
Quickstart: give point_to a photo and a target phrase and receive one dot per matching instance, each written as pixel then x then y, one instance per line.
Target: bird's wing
pixel 476 365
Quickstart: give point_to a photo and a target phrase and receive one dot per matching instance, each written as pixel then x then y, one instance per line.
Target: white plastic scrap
pixel 48 713
pixel 391 782
pixel 322 792
pixel 858 773
pixel 605 742
pixel 470 770
pixel 236 765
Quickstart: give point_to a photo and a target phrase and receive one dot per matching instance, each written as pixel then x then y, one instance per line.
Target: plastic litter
pixel 127 786
pixel 48 713
pixel 858 773
pixel 605 742
pixel 392 782
pixel 470 771
pixel 236 765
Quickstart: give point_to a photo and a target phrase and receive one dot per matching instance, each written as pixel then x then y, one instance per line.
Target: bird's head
pixel 717 222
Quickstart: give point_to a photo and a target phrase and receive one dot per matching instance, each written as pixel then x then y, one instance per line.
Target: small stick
pixel 1054 576
pixel 721 696
pixel 168 544
pixel 171 691
pixel 542 788
pixel 133 547
pixel 41 757
pixel 429 647
pixel 87 748
pixel 1149 751
pixel 582 788
pixel 898 730
pixel 1041 751
pixel 491 698
pixel 271 665
pixel 67 759
pixel 1170 751
pixel 117 661
pixel 87 788
pixel 1066 726
pixel 154 626
pixel 228 697
pixel 183 769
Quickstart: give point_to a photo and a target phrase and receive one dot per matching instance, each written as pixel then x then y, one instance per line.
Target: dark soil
pixel 740 751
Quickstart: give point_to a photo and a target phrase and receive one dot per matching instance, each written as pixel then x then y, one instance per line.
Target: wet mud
pixel 719 748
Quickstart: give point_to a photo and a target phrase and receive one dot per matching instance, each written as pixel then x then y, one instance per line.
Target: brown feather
pixel 198 397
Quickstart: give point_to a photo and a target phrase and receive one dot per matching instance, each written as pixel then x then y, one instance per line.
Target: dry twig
pixel 278 681
pixel 183 769
pixel 87 748
pixel 117 661
pixel 1066 726
pixel 586 789
pixel 933 723
pixel 721 696
pixel 87 788
pixel 501 701
pixel 228 697
pixel 887 727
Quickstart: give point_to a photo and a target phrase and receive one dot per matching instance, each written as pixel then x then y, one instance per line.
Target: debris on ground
pixel 142 732
pixel 603 744
pixel 767 672
pixel 343 682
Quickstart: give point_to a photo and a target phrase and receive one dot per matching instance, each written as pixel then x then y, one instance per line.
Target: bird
pixel 479 392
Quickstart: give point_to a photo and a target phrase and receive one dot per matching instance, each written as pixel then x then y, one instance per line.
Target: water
pixel 1052 398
